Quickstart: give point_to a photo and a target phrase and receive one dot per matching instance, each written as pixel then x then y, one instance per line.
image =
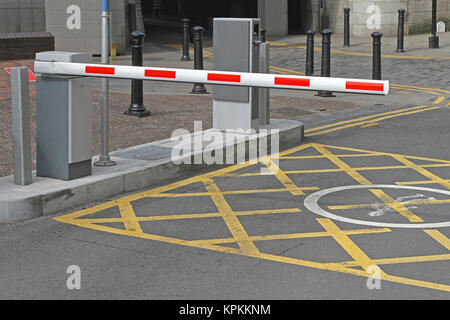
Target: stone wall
pixel 22 16
pixel 273 14
pixel 417 19
pixel 418 16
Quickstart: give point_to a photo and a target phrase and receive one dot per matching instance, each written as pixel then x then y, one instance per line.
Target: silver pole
pixel 105 160
pixel 264 94
pixel 20 98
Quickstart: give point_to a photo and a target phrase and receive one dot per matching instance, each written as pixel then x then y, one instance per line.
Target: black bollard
pixel 401 30
pixel 376 66
pixel 185 56
pixel 262 35
pixel 309 52
pixel 132 17
pixel 434 39
pixel 326 60
pixel 137 107
pixel 347 27
pixel 198 88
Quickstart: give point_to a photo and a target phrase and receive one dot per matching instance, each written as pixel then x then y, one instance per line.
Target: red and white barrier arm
pixel 263 80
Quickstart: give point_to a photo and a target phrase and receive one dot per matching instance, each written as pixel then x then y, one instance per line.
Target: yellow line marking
pixel 421 182
pixel 369 125
pixel 417 90
pixel 346 243
pixel 370 121
pixel 193 216
pixel 129 218
pixel 436 257
pixel 439 237
pixel 421 170
pixel 397 206
pixel 205 52
pixel 439 100
pixel 233 223
pixel 286 70
pixel 433 89
pixel 338 155
pixel 283 178
pixel 239 234
pixel 293 236
pixel 339 268
pixel 206 194
pixel 362 118
pixel 366 205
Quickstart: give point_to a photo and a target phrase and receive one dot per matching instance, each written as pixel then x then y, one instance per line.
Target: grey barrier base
pixel 137 168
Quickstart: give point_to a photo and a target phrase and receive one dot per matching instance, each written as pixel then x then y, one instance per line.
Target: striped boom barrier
pixel 263 80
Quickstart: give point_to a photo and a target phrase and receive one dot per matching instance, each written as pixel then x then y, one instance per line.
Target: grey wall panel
pixel 87 36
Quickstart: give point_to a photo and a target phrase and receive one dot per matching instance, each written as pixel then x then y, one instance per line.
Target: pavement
pixel 358 210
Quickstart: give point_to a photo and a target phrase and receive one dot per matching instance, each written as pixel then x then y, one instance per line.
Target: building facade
pixel 76 23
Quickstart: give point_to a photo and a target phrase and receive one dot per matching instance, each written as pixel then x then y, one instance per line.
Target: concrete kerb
pixel 134 170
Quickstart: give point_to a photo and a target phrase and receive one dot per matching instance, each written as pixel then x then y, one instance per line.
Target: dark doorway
pixel 295 17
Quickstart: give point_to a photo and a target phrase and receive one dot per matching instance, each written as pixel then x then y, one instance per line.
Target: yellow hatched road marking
pixel 439 237
pixel 245 241
pixel 193 216
pixel 293 236
pixel 283 178
pixel 421 170
pixel 435 257
pixel 366 205
pixel 397 206
pixel 233 223
pixel 129 218
pixel 347 244
pixel 405 183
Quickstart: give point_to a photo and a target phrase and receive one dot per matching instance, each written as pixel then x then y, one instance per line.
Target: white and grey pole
pixel 105 160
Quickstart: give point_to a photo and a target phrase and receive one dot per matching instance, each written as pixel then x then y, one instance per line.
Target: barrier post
pixel 262 35
pixel 137 107
pixel 264 94
pixel 310 53
pixel 401 30
pixel 346 27
pixel 20 99
pixel 434 39
pixel 199 88
pixel 376 65
pixel 105 159
pixel 185 56
pixel 326 60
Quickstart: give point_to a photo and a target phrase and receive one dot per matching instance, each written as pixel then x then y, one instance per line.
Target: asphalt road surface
pixel 359 210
